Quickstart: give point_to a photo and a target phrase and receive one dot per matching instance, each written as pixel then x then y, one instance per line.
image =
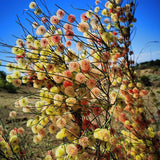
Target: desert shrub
pixel 10 87
pixel 2 75
pixel 13 140
pixel 149 64
pixel 154 77
pixel 6 85
pixel 2 79
pixel 89 103
pixel 156 62
pixel 2 83
pixel 145 80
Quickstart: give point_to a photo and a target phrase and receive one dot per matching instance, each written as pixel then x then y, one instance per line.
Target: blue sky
pixel 147 26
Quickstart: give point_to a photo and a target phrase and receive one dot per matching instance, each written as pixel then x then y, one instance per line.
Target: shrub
pixel 2 83
pixel 2 79
pixel 10 87
pixel 145 80
pixel 6 85
pixel 89 96
pixel 2 75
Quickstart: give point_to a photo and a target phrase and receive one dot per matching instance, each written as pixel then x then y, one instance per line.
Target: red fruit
pixel 111 11
pixel 44 20
pixel 128 98
pixel 121 155
pixel 86 112
pixel 60 47
pixel 125 82
pixel 68 43
pixel 94 126
pixel 118 55
pixel 118 109
pixel 158 112
pixel 117 150
pixel 112 131
pixel 97 110
pixel 30 79
pixel 85 71
pixel 67 74
pixel 112 45
pixel 130 91
pixel 114 33
pixel 129 127
pixel 123 54
pixel 84 17
pixel 67 83
pixel 75 119
pixel 22 56
pixel 86 124
pixel 56 39
pixel 4 132
pixel 135 90
pixel 96 2
pixel 122 117
pixel 71 18
pixel 125 51
pixel 131 52
pixel 22 153
pixel 69 34
pixel 49 86
pixel 127 108
pixel 106 56
pixel 123 92
pixel 15 129
pixel 99 41
pixel 79 147
pixel 84 102
pixel 143 92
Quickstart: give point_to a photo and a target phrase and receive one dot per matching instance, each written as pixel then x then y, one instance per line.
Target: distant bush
pixel 6 85
pixel 145 80
pixel 2 83
pixel 10 88
pixel 2 75
pixel 148 64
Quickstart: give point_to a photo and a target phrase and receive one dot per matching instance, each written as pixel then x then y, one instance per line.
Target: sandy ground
pixel 7 100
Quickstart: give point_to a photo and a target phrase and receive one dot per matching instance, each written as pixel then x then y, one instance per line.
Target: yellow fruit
pixel 60 151
pixel 16 149
pixel 105 37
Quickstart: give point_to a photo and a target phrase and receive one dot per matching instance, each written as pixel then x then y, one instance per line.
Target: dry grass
pixel 7 100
